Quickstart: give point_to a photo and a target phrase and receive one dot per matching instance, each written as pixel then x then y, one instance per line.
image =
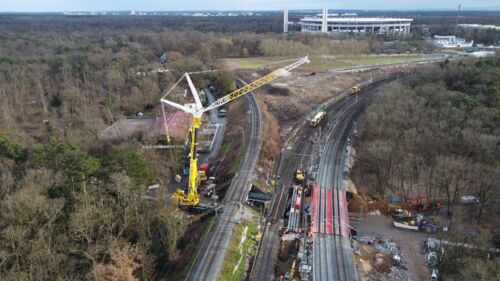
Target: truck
pixel 204 171
pixel 417 223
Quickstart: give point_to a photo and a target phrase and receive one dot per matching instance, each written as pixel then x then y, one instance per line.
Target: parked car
pixel 468 200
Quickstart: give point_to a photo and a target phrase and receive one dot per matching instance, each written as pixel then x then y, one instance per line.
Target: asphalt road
pixel 210 257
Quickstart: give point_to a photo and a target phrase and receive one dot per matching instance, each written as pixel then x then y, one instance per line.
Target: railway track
pixel 263 267
pixel 210 257
pixel 288 162
pixel 330 177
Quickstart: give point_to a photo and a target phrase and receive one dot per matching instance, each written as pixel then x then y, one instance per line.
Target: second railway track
pixel 210 257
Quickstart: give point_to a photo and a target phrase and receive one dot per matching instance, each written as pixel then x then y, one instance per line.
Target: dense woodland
pixel 437 134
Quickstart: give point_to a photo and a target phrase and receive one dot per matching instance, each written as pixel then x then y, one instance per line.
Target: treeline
pixel 67 214
pixel 436 134
pixel 69 24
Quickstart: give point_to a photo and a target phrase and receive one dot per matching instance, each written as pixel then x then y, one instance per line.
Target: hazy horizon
pixel 54 6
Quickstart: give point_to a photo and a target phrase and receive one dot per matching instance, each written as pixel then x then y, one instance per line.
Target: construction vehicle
pixel 313 122
pixel 196 109
pixel 354 90
pixel 401 214
pixel 292 270
pixel 300 176
pixel 204 169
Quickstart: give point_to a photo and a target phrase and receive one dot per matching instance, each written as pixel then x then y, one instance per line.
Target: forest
pixel 437 134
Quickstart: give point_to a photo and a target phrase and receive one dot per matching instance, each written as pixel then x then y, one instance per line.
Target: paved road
pixel 221 121
pixel 210 257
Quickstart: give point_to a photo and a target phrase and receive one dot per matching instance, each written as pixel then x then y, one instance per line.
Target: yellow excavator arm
pixel 192 199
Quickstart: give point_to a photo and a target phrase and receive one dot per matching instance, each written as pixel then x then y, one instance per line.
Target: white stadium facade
pixel 351 23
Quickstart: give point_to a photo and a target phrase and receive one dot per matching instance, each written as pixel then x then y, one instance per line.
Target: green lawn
pixel 319 63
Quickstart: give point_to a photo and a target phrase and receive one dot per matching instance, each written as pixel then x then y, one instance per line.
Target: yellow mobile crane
pixel 197 110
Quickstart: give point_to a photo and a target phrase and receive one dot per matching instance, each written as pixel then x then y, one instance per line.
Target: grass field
pixel 322 63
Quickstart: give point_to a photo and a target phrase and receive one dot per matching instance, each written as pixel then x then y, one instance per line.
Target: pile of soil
pixel 278 90
pixel 372 265
pixel 358 203
pixel 387 208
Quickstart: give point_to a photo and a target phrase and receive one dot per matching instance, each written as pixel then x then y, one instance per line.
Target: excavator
pixel 196 109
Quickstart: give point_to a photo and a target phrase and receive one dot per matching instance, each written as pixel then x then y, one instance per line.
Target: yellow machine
pixel 313 122
pixel 197 110
pixel 354 90
pixel 292 270
pixel 300 176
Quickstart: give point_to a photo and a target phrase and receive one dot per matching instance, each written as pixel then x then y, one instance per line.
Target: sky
pixel 180 5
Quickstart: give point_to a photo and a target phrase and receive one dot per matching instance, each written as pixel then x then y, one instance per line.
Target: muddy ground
pixel 288 100
pixel 409 242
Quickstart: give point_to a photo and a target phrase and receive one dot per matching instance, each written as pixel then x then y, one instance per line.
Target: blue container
pixel 394 200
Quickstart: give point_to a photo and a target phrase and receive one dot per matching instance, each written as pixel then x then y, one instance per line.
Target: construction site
pixel 277 162
pixel 302 127
pixel 280 145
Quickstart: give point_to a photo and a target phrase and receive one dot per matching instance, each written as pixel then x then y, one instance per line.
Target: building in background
pixel 451 41
pixel 479 26
pixel 352 23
